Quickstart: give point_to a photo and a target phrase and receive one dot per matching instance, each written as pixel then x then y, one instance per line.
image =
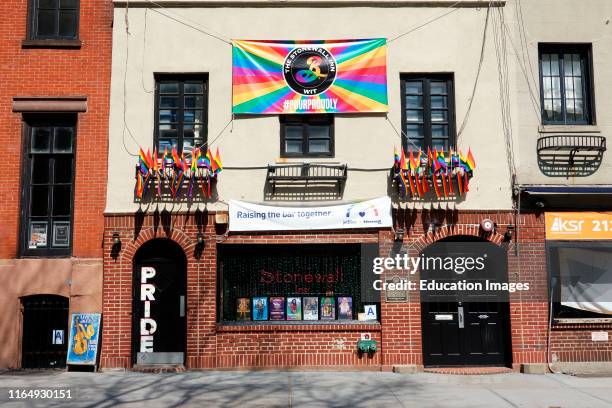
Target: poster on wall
pixel 243 309
pixel 260 308
pixel 277 308
pixel 83 341
pixel 245 216
pixel 326 76
pixel 311 308
pixel 294 308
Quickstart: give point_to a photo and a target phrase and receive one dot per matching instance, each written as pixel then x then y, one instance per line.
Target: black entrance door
pixel 45 328
pixel 159 304
pixel 466 330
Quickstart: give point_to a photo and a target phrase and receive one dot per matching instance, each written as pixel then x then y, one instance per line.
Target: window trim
pixel 55 41
pixel 161 77
pixel 27 123
pixel 427 138
pixel 305 136
pixel 586 51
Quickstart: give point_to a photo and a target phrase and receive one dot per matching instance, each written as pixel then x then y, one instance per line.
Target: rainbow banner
pixel 344 76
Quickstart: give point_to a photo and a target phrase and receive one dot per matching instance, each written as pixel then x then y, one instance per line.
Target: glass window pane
pixel 439 144
pixel 438 88
pixel 579 109
pixel 62 143
pixel 47 23
pixel 68 3
pixel 169 115
pixel 416 143
pixel 546 64
pixel 39 201
pixel 194 116
pixel 68 23
pixel 414 131
pixel 414 87
pixel 319 146
pixel 293 132
pixel 61 200
pixel 188 144
pixel 318 131
pixel 293 146
pixel 578 87
pixel 63 169
pixel 556 87
pixel 567 65
pixel 168 87
pixel 438 101
pixel 61 234
pixel 557 116
pixel 193 131
pixel 194 87
pixel 547 83
pixel 439 130
pixel 577 65
pixel 413 115
pixel 41 138
pixel 554 64
pixel 569 88
pixel 47 4
pixel 168 134
pixel 414 102
pixel 194 102
pixel 168 101
pixel 548 106
pixel 439 116
pixel 166 144
pixel 40 169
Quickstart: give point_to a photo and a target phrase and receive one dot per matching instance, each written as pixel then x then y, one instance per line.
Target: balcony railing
pixel 570 155
pixel 306 180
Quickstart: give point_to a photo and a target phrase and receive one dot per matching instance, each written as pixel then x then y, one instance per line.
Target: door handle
pixel 182 306
pixel 460 317
pixel 483 316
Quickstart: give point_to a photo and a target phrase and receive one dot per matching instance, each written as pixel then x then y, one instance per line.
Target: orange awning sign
pixel 578 225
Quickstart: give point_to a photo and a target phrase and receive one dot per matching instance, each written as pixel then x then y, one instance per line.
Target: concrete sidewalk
pixel 311 389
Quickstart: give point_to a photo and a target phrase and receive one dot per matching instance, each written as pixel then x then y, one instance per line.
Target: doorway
pixel 159 304
pixel 45 327
pixel 462 329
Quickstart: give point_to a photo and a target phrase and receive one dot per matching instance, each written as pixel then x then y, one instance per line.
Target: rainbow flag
pixel 471 163
pixel 217 160
pixel 396 157
pixel 342 76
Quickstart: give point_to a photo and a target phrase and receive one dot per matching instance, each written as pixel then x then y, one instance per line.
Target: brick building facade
pixel 55 78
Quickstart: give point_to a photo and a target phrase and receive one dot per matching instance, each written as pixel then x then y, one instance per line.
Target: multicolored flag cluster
pixel 175 170
pixel 417 172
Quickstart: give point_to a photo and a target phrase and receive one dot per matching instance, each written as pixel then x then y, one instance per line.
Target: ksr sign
pixel 578 225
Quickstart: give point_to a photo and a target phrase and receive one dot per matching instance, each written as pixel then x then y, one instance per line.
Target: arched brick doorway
pixel 159 304
pixel 463 328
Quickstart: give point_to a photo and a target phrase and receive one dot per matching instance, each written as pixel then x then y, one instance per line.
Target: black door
pixel 466 329
pixel 45 329
pixel 162 265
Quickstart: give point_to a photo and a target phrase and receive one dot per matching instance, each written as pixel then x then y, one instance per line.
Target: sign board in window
pixel 578 225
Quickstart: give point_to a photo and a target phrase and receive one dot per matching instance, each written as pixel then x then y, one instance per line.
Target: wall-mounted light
pixel 200 239
pixel 399 234
pixel 509 232
pixel 116 239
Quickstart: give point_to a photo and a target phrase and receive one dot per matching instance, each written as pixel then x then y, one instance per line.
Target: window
pixel 428 112
pixel 54 19
pixel 565 84
pixel 307 135
pixel 47 185
pixel 326 280
pixel 180 112
pixel 581 278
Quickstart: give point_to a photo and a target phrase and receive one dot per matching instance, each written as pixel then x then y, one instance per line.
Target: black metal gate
pixel 45 331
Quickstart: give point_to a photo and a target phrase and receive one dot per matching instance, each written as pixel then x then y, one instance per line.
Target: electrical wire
pixel 144 52
pixel 127 53
pixel 480 63
pixel 419 26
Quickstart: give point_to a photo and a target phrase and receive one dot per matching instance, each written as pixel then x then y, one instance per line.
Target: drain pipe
pixel 553 282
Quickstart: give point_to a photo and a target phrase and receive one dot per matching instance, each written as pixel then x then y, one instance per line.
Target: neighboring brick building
pixel 185 287
pixel 55 64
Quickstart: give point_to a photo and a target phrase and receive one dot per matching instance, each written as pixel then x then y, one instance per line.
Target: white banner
pixel 245 216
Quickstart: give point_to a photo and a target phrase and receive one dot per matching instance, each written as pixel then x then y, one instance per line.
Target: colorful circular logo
pixel 309 71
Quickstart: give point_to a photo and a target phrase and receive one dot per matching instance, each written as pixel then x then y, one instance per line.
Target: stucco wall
pixel 78 279
pixel 450 45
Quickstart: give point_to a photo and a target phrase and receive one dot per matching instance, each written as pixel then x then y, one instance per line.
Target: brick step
pixel 468 370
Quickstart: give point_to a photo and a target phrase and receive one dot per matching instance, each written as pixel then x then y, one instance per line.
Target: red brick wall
pixel 210 345
pixel 571 343
pixel 58 72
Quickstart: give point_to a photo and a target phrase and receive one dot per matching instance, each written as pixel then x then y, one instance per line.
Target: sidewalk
pixel 311 389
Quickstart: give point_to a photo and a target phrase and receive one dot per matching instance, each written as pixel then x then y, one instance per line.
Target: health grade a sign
pixel 374 213
pixel 343 76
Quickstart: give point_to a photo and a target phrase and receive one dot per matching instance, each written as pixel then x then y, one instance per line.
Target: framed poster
pixel 311 308
pixel 260 308
pixel 243 309
pixel 277 308
pixel 61 233
pixel 328 308
pixel 38 235
pixel 294 308
pixel 83 341
pixel 345 308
